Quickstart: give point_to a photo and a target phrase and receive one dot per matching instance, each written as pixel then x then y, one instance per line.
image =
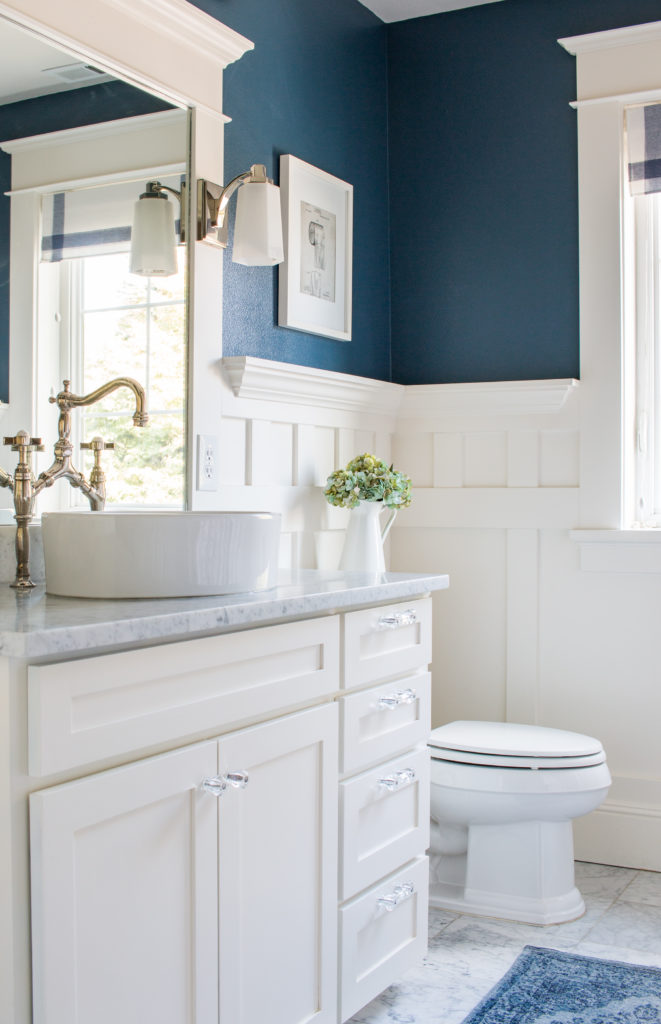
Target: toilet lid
pixel 507 744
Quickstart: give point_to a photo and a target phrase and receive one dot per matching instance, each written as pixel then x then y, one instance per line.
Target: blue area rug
pixel 544 986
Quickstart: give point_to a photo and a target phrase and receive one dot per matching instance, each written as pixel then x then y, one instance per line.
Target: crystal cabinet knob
pixel 399 779
pixel 217 784
pixel 397 620
pixel 399 894
pixel 393 700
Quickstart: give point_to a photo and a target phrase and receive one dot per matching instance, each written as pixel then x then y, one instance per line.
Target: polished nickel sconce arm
pixel 213 200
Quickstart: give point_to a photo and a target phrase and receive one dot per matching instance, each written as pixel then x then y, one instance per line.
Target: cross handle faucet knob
pixel 22 442
pixel 97 444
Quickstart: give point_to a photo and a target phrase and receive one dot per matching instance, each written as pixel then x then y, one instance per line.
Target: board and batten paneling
pixel 523 634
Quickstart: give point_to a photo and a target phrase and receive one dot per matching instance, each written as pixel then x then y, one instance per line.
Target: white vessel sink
pixel 159 554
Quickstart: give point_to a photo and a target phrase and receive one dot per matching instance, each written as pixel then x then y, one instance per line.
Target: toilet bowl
pixel 503 797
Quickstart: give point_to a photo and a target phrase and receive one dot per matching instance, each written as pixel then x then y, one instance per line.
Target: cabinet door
pixel 278 872
pixel 124 895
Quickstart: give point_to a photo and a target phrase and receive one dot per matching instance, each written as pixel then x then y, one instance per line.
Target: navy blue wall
pixel 72 109
pixel 483 189
pixel 315 86
pixel 467 114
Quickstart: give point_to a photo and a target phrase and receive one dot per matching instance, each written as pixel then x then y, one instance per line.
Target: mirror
pixel 77 148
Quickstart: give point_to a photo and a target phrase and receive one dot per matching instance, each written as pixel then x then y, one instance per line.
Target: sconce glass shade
pixel 258 226
pixel 153 248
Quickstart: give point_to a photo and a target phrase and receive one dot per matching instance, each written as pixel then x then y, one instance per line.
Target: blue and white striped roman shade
pixel 643 124
pixel 93 221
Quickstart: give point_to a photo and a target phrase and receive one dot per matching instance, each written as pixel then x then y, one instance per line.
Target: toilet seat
pixel 510 745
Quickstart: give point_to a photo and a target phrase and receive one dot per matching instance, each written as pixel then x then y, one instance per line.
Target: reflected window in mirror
pixel 112 323
pixel 78 140
pixel 98 321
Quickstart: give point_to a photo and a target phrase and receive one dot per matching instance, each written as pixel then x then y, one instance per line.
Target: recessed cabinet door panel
pixel 124 895
pixel 278 872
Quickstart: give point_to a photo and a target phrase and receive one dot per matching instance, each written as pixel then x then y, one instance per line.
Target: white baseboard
pixel 628 836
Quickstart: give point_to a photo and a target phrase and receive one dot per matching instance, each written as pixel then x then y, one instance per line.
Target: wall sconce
pixel 258 224
pixel 153 238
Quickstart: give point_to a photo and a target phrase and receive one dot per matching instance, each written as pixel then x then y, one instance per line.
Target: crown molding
pixel 187 25
pixel 270 381
pixel 169 47
pixel 631 35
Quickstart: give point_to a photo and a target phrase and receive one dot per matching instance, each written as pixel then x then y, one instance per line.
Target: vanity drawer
pixel 86 710
pixel 384 819
pixel 383 720
pixel 386 641
pixel 379 944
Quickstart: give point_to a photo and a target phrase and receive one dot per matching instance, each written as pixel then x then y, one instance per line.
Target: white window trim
pixel 614 68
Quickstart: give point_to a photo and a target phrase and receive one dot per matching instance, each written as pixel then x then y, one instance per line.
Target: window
pixel 113 324
pixel 642 362
pixel 642 320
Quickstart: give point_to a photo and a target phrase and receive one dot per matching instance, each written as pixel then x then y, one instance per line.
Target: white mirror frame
pixel 175 50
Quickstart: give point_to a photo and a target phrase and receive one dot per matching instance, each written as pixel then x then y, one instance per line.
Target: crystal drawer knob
pixel 397 620
pixel 398 779
pixel 216 785
pixel 399 894
pixel 393 700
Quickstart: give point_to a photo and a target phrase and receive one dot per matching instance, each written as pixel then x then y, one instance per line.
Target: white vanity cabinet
pixel 229 829
pixel 155 898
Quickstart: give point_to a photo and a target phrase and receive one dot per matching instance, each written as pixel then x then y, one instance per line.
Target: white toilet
pixel 502 801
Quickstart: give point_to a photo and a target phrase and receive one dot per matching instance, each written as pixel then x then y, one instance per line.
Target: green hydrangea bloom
pixel 367 478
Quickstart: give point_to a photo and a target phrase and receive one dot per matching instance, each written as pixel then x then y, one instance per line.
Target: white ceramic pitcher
pixel 363 544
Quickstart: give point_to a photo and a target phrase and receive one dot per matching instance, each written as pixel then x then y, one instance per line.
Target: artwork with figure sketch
pixel 317 252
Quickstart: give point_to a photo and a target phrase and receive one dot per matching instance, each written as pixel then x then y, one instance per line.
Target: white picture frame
pixel 315 280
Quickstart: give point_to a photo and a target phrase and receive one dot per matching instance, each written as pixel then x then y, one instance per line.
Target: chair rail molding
pixel 264 379
pixel 291 384
pixel 488 398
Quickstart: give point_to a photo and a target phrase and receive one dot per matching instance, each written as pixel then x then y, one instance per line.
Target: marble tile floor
pixel 468 955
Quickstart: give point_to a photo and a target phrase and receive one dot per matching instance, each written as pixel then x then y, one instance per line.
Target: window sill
pixel 634 551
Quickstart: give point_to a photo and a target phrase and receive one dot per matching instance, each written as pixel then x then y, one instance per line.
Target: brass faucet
pixel 26 488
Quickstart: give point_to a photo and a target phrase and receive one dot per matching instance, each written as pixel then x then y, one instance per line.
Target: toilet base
pixel 523 871
pixel 557 910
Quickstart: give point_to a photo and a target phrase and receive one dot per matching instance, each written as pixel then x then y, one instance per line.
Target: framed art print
pixel 315 278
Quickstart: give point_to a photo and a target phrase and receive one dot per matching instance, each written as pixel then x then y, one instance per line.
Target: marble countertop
pixel 36 624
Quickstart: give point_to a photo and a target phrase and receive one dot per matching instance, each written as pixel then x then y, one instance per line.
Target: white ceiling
pixel 31 67
pixel 400 10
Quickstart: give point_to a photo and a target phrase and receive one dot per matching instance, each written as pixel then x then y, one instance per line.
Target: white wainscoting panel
pixel 523 458
pixel 233 451
pixel 558 458
pixel 522 633
pixel 315 454
pixel 485 459
pixel 469 621
pixel 413 454
pixel 522 626
pixel 272 455
pixel 448 469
